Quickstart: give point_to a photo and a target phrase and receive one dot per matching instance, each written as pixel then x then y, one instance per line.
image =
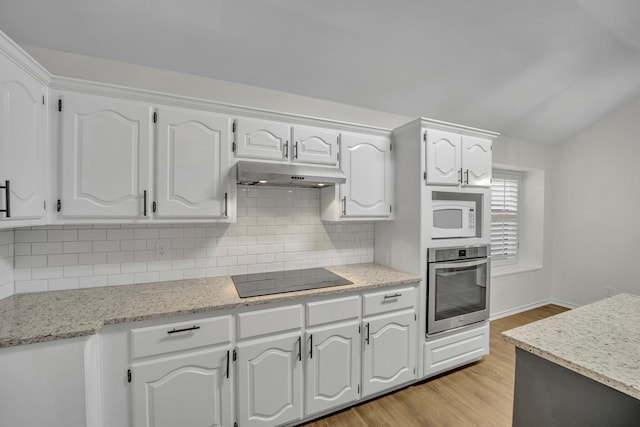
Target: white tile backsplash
pixel 6 263
pixel 277 229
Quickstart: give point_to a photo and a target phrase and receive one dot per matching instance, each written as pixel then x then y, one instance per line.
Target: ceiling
pixel 535 70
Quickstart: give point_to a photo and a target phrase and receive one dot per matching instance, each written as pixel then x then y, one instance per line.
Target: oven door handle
pixel 459 264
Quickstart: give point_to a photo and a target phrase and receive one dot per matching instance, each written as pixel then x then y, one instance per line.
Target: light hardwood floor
pixel 480 394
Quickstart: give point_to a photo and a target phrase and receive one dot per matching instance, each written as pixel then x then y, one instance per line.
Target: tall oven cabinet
pixel 440 161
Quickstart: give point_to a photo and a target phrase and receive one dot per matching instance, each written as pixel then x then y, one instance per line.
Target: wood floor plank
pixel 477 395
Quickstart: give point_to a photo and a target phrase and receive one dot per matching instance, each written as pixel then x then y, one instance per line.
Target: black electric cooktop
pixel 253 285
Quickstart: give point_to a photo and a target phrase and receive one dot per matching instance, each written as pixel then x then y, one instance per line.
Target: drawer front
pixel 333 310
pixel 180 336
pixel 455 350
pixel 274 320
pixel 389 300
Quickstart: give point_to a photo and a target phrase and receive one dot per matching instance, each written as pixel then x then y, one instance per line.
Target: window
pixel 505 189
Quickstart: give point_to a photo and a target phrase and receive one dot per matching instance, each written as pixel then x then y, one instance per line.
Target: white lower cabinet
pixel 333 367
pixel 389 354
pixel 188 390
pixel 270 380
pixel 451 351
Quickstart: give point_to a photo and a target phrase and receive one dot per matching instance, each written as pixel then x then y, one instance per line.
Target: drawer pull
pixel 174 330
pixel 396 295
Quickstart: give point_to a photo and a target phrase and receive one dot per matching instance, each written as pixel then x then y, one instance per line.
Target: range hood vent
pixel 279 175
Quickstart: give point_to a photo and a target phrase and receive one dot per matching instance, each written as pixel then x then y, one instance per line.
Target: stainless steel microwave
pixel 453 218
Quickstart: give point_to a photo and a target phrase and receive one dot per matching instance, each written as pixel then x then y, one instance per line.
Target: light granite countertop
pixel 48 316
pixel 600 341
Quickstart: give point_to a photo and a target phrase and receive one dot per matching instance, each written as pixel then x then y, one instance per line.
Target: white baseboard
pixel 530 306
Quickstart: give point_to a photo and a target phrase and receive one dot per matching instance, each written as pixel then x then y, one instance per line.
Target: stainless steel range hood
pixel 273 174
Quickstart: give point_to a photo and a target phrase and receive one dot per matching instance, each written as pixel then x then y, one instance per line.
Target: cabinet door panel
pixel 192 164
pixel 313 145
pixel 443 157
pixel 22 142
pixel 366 160
pixel 389 355
pixel 333 367
pixel 262 139
pixel 269 381
pixel 104 156
pixel 187 390
pixel 476 161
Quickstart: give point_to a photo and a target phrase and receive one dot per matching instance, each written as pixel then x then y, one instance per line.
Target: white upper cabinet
pixel 456 159
pixel 193 164
pixel 476 161
pixel 23 138
pixel 261 139
pixel 366 160
pixel 315 145
pixel 104 157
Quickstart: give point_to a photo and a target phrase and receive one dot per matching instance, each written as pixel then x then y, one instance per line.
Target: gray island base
pixel 547 394
pixel 580 367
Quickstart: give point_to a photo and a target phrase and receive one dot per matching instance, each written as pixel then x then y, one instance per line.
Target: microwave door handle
pixel 460 264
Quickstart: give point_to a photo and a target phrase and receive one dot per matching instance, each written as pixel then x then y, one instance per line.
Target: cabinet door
pixel 443 157
pixel 187 390
pixel 366 160
pixel 193 164
pixel 389 355
pixel 476 161
pixel 313 145
pixel 262 139
pixel 333 367
pixel 270 381
pixel 22 143
pixel 104 159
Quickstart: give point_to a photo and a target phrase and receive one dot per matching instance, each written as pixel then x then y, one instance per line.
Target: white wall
pixel 277 229
pixel 107 71
pixel 514 292
pixel 597 209
pixel 6 263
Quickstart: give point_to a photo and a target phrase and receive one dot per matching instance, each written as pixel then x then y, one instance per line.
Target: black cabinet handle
pixel 228 355
pixel 299 348
pixel 226 204
pixel 396 295
pixel 367 337
pixel 175 331
pixel 311 346
pixel 460 176
pixel 7 199
pixel 144 202
pixel 466 175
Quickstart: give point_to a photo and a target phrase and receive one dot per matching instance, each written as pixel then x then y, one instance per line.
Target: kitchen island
pixel 581 367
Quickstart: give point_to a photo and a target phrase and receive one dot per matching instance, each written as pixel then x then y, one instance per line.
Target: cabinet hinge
pixel 338 156
pixel 359 329
pixel 414 371
pixel 390 208
pixel 42 99
pixel 235 355
pixel 390 147
pixel 233 147
pixel 60 104
pixel 155 117
pixel 128 375
pixel 233 127
pixel 358 388
pixel 153 207
pixel 424 137
pixel 44 205
pixel 424 175
pixel 59 206
pixel 415 316
pixel 235 424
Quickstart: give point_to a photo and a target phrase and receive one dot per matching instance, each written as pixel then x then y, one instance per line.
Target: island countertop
pixel 48 316
pixel 600 341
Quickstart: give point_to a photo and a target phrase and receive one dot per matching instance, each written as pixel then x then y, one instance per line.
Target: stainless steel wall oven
pixel 457 287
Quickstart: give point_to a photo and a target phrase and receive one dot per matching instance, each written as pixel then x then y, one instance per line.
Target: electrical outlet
pixel 162 249
pixel 608 292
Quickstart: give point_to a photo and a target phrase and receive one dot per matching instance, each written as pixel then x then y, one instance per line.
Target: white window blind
pixel 505 187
